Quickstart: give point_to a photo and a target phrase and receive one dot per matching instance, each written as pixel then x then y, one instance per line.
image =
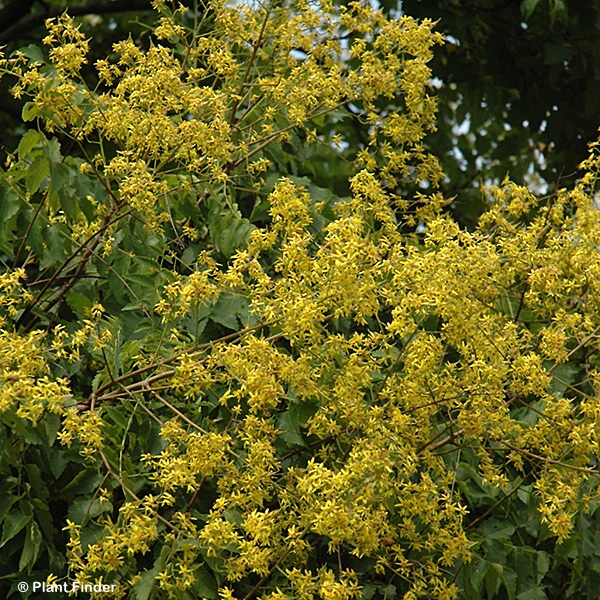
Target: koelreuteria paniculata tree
pixel 267 389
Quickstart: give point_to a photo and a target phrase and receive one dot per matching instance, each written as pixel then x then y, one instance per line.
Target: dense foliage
pixel 518 89
pixel 240 358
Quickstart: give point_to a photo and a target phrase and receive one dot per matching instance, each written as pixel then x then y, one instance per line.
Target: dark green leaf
pixel 14 522
pixel 527 8
pixel 289 428
pixel 87 508
pixel 31 548
pixel 228 309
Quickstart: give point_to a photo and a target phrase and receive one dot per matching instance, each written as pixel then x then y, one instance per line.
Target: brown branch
pixel 16 28
pixel 21 23
pixel 125 284
pixel 14 11
pixel 93 240
pixel 551 461
pixel 167 361
pixel 490 510
pixel 255 47
pixel 195 496
pixel 447 440
pixel 99 396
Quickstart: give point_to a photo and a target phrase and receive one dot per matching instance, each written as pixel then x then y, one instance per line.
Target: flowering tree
pixel 237 362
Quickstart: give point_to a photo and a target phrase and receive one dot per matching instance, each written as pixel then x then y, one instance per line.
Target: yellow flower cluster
pixel 26 383
pixel 133 533
pixel 12 293
pixel 189 457
pixel 196 289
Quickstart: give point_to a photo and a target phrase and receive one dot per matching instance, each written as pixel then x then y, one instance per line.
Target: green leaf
pixel 228 230
pixel 61 175
pixel 26 431
pixel 533 594
pixel 562 377
pixel 528 7
pixel 146 583
pixel 117 417
pixel 492 579
pixel 31 548
pixel 36 173
pixel 33 52
pixel 477 574
pixel 509 580
pixel 34 477
pixel 87 508
pixel 14 522
pixel 57 250
pixel 543 564
pixel 227 310
pixel 497 529
pixel 31 139
pixel 29 112
pixel 368 591
pixel 206 586
pixel 289 428
pixel 84 482
pixel 6 503
pixel 43 517
pixel 50 425
pixel 78 303
pixel 57 461
pixel 9 208
pixel 558 10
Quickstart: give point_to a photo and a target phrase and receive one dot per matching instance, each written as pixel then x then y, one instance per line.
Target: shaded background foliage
pixel 525 76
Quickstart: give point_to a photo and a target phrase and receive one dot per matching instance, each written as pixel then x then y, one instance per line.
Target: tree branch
pixel 13 12
pixel 19 22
